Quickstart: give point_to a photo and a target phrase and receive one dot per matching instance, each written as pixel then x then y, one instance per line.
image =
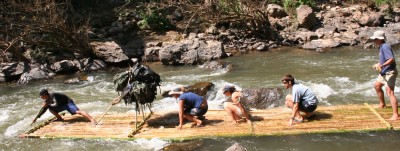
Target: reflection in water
pixel 339 76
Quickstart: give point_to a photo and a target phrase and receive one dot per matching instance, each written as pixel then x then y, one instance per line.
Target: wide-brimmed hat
pixel 378 35
pixel 175 91
pixel 43 92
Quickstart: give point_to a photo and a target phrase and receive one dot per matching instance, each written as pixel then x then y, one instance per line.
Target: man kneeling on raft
pixel 190 105
pixel 58 102
pixel 302 99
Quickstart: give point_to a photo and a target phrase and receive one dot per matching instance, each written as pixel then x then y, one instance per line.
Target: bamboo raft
pixel 330 119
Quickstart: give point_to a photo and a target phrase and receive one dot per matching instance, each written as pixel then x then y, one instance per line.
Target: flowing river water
pixel 338 77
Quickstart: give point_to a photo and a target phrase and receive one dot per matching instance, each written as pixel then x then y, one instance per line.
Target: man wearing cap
pixel 388 73
pixel 190 105
pixel 234 106
pixel 58 102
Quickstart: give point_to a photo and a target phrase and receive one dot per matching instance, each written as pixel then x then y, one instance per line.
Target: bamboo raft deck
pixel 330 119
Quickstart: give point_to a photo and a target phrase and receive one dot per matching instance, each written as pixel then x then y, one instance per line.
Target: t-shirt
pixel 191 100
pixel 302 93
pixel 386 53
pixel 57 99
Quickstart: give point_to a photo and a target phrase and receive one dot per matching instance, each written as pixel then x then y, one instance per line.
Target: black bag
pixel 144 74
pixel 121 80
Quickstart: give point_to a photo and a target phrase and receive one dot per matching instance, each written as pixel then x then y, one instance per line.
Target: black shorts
pixel 305 107
pixel 196 111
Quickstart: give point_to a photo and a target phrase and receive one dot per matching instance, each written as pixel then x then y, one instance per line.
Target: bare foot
pixel 380 106
pixel 235 122
pixel 393 118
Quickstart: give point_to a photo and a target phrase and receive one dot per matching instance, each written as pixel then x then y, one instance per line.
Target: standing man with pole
pixel 388 73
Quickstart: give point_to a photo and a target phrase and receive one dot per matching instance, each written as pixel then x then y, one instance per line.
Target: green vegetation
pixel 155 20
pixel 39 56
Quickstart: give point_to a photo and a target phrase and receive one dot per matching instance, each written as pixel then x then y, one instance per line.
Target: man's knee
pixel 378 86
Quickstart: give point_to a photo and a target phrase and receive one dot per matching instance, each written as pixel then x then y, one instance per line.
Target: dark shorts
pixel 305 107
pixel 195 111
pixel 70 107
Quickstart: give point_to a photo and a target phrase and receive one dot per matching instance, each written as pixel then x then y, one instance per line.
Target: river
pixel 338 76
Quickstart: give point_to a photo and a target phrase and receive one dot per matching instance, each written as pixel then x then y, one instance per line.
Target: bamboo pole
pixel 104 114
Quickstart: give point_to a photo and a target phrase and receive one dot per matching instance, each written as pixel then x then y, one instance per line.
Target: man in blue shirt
pixel 190 105
pixel 388 73
pixel 301 99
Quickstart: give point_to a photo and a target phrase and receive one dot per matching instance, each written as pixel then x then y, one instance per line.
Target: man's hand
pixel 291 122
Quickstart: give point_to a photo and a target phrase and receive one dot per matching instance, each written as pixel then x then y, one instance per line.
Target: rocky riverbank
pixel 114 41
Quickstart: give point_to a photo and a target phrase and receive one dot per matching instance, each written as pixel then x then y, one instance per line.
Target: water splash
pixel 152 144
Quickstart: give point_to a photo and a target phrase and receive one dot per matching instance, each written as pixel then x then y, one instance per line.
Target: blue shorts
pixel 196 111
pixel 70 107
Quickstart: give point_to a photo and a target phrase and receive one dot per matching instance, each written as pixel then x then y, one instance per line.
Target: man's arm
pixel 294 112
pixel 180 114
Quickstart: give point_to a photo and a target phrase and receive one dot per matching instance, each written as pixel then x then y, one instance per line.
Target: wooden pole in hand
pixel 98 121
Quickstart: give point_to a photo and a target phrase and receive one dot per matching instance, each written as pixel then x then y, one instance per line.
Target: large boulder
pixel 263 98
pixel 65 66
pixel 110 52
pixel 200 88
pixel 39 73
pixel 321 43
pixel 13 71
pixel 191 51
pixel 372 19
pixel 94 65
pixel 306 17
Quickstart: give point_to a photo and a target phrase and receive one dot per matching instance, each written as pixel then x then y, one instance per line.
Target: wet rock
pixel 184 146
pixel 263 98
pixel 109 51
pixel 194 51
pixel 217 65
pixel 40 73
pixel 236 147
pixel 260 46
pixel 65 66
pixel 95 65
pixel 306 17
pixel 200 88
pixel 151 54
pixel 78 80
pixel 13 71
pixel 321 43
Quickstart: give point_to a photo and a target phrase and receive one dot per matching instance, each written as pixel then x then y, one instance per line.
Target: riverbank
pixel 200 35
